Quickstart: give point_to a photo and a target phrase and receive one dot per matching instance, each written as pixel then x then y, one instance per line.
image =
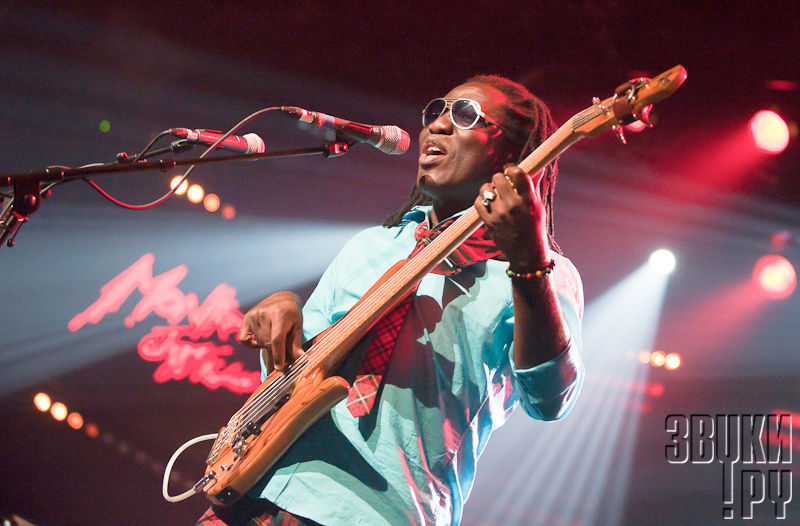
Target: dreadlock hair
pixel 530 117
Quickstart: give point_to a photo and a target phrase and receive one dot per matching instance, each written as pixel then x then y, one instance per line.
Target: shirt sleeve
pixel 548 391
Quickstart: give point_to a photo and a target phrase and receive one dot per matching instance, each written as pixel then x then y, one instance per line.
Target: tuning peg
pixel 620 134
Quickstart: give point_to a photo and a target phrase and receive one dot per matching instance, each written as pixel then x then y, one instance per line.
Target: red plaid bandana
pixel 478 247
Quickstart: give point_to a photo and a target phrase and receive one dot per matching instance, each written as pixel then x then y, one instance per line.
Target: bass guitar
pixel 287 403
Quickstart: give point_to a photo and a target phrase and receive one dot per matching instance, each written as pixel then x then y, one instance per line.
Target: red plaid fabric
pixel 363 391
pixel 251 512
pixel 365 387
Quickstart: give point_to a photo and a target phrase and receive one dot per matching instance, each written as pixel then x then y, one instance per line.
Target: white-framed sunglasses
pixel 464 113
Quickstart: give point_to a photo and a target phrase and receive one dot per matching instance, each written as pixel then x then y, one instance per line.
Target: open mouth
pixel 431 153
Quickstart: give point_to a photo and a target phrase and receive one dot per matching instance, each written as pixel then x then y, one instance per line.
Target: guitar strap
pixel 478 247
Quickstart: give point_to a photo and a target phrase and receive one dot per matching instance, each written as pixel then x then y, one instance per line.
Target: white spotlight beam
pixel 576 470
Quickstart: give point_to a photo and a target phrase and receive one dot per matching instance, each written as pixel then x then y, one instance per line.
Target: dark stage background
pixel 691 184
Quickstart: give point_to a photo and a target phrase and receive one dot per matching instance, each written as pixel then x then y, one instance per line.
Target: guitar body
pixel 235 471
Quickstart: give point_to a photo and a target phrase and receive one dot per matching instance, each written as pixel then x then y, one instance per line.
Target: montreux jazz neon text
pixel 191 351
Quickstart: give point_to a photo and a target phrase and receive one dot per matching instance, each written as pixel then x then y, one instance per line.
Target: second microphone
pixel 388 139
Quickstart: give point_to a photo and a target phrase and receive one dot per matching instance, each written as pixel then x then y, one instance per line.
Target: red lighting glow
pixel 211 202
pixel 769 131
pixel 91 430
pixel 228 212
pixel 656 389
pixel 75 420
pixel 775 276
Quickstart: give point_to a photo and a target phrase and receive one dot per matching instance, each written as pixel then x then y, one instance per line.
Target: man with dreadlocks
pixel 496 326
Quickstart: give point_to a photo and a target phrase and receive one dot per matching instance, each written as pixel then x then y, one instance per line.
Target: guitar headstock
pixel 631 101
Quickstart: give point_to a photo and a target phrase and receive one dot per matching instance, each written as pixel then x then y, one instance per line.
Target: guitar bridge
pixel 253 428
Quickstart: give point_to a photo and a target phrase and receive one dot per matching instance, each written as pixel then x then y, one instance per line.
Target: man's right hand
pixel 276 323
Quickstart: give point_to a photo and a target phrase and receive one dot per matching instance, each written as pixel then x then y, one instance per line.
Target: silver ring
pixel 487 197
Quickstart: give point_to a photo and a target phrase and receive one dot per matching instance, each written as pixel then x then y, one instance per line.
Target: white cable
pixel 190 492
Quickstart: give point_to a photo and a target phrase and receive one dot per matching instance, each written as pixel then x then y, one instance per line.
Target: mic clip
pixel 337 147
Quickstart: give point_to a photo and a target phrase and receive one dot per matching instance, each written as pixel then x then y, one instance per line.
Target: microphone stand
pixel 27 195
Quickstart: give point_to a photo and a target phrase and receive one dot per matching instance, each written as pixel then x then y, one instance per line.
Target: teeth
pixel 433 150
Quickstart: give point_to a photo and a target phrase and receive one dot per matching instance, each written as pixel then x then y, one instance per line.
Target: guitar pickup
pixel 251 429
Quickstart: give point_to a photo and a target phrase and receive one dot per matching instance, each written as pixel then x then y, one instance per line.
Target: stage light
pixel 775 276
pixel 644 357
pixel 662 261
pixel 174 182
pixel 769 131
pixel 655 390
pixel 75 420
pixel 195 193
pixel 228 212
pixel 672 361
pixel 105 126
pixel 91 430
pixel 782 85
pixel 211 202
pixel 59 411
pixel 781 239
pixel 42 402
pixel 658 358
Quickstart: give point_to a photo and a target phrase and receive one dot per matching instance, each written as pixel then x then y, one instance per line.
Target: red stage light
pixel 228 212
pixel 656 389
pixel 211 202
pixel 769 131
pixel 775 276
pixel 75 420
pixel 91 430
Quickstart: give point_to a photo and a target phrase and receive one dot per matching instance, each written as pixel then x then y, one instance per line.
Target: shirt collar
pixel 420 213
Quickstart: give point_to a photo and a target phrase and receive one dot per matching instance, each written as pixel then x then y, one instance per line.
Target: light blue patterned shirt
pixel 450 381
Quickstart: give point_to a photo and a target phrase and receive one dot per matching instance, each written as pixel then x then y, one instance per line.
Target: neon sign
pixel 185 351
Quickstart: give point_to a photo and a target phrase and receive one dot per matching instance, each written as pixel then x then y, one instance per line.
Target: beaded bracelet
pixel 540 273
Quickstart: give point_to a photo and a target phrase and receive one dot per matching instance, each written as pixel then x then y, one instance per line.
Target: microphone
pixel 388 139
pixel 250 143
